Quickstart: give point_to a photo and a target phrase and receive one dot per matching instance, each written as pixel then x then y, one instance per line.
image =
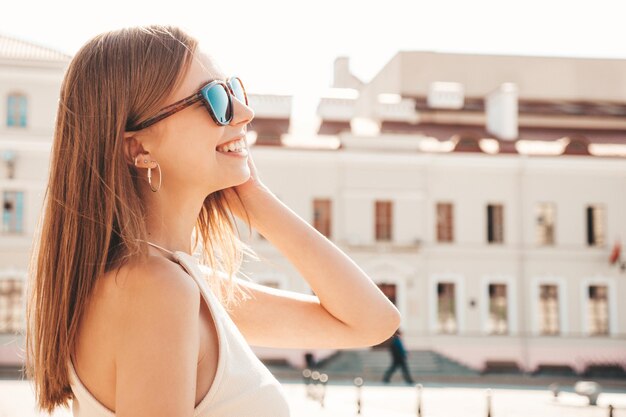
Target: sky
pixel 288 47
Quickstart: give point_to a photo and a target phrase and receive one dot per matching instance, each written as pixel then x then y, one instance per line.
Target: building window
pixel 445 225
pixel 384 217
pixel 322 216
pixel 9 158
pixel 595 225
pixel 549 310
pixel 498 320
pixel 545 214
pixel 16 110
pixel 11 305
pixel 495 223
pixel 12 211
pixel 598 310
pixel 446 308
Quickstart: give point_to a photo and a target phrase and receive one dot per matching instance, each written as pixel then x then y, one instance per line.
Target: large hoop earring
pixel 150 177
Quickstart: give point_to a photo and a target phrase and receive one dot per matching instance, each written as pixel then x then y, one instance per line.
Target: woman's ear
pixel 134 152
pixel 132 147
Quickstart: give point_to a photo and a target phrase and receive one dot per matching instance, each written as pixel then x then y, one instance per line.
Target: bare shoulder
pixel 138 282
pixel 158 343
pixel 145 291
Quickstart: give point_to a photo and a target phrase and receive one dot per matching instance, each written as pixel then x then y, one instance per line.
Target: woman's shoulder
pixel 159 332
pixel 151 297
pixel 142 282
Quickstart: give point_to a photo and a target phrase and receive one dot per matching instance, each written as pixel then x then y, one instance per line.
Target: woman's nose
pixel 241 112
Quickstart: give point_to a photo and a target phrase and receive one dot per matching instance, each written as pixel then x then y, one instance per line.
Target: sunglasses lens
pixel 217 97
pixel 238 89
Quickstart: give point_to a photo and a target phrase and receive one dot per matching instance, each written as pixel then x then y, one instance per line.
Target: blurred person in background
pixel 398 355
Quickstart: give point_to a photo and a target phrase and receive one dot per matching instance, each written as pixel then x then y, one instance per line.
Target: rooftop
pixel 17 49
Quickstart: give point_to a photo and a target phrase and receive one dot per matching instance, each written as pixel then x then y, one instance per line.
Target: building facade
pixel 488 258
pixel 483 194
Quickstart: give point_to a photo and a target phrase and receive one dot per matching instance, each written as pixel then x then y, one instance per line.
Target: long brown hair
pixel 93 219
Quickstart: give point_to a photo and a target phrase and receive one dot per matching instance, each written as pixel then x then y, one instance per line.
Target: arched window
pixel 16 110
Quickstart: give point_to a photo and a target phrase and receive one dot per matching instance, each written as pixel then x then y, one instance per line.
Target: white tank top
pixel 243 386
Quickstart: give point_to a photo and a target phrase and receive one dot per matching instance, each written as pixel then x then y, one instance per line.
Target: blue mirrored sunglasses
pixel 216 97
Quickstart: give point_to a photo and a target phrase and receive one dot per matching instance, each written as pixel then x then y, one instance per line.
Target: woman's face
pixel 184 144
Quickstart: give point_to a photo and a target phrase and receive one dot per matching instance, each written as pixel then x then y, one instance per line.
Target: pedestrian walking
pixel 399 355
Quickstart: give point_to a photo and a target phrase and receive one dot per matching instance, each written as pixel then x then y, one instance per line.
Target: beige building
pixel 483 194
pixel 30 80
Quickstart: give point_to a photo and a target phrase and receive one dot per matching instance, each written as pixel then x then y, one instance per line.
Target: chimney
pixel 342 77
pixel 501 109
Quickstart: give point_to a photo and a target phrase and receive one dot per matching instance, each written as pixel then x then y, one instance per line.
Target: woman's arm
pixel 343 289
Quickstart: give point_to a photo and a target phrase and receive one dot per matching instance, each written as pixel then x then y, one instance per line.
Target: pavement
pixel 390 400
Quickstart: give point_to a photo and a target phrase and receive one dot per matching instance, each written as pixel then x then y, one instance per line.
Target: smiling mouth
pixel 228 149
pixel 243 152
pixel 238 144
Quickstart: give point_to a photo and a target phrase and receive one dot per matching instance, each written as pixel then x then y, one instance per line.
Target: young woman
pixel 118 317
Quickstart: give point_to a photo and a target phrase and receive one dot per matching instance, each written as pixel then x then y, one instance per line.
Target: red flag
pixel 615 253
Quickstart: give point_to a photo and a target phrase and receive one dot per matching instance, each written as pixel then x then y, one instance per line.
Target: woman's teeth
pixel 234 146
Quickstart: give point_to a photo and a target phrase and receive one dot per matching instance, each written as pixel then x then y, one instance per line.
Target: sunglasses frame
pixel 194 98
